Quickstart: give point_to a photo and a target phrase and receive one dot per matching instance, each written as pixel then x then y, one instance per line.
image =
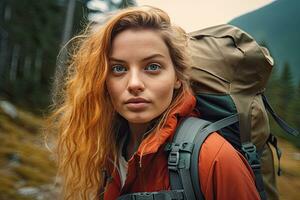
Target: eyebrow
pixel 152 56
pixel 143 60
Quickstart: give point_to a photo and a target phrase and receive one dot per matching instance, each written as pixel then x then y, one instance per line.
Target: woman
pixel 124 95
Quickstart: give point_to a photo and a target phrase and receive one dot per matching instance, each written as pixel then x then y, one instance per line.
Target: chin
pixel 140 119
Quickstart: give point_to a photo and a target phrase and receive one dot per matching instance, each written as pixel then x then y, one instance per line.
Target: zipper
pixel 144 136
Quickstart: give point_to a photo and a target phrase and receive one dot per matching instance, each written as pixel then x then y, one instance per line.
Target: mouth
pixel 136 101
pixel 137 104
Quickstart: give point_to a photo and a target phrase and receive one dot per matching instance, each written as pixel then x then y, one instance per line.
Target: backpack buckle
pixel 144 196
pixel 165 195
pixel 173 160
pixel 249 150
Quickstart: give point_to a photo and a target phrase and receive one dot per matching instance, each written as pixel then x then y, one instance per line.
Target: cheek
pixel 164 95
pixel 114 92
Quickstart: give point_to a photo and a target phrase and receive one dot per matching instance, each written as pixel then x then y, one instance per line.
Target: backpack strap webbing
pixel 253 158
pixel 184 173
pixel 179 159
pixel 279 121
pixel 199 140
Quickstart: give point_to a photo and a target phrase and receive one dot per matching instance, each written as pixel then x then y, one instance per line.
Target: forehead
pixel 138 43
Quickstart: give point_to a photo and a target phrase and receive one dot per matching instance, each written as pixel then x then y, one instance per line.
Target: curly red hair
pixel 83 119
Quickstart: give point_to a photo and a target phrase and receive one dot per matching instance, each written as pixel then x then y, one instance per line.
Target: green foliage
pixel 33 40
pixel 36 34
pixel 126 3
pixel 30 40
pixel 294 110
pixel 285 91
pixel 39 26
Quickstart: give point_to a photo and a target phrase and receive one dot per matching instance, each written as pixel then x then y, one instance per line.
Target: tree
pixel 280 92
pixel 28 59
pixel 294 113
pixel 286 91
pixel 98 9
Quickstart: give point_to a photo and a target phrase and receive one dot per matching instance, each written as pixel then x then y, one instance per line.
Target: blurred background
pixel 33 32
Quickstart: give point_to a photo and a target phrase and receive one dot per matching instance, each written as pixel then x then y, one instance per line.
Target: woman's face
pixel 141 77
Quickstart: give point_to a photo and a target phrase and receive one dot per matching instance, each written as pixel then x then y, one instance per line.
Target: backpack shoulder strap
pixel 199 140
pixel 184 153
pixel 180 155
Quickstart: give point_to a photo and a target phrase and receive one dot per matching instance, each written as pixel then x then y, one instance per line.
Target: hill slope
pixel 277 25
pixel 27 169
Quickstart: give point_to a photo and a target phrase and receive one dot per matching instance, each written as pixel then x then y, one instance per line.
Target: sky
pixel 192 15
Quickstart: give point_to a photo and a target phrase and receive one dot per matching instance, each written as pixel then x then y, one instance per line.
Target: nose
pixel 135 82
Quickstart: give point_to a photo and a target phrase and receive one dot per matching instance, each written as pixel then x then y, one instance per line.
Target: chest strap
pixel 161 195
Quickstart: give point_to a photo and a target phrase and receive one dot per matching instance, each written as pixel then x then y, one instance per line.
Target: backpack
pixel 228 77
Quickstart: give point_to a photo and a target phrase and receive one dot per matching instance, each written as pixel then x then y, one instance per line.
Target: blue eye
pixel 153 67
pixel 118 69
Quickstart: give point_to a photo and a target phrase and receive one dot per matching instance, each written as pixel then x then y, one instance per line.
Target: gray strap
pixel 192 130
pixel 180 177
pixel 187 184
pixel 189 128
pixel 253 158
pixel 260 184
pixel 199 140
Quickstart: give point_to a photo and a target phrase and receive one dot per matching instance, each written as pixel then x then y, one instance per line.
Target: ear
pixel 177 84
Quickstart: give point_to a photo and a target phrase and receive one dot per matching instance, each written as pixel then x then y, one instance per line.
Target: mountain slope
pixel 278 26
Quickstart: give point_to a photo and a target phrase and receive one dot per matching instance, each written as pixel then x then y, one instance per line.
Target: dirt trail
pixel 289 181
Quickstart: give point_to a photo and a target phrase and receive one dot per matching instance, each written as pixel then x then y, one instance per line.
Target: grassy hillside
pixel 27 169
pixel 289 181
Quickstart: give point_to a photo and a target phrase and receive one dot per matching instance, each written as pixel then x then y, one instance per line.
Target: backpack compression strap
pixel 183 159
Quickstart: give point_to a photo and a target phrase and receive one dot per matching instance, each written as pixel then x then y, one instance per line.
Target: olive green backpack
pixel 228 76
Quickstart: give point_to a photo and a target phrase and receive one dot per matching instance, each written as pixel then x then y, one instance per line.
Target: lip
pixel 137 104
pixel 137 100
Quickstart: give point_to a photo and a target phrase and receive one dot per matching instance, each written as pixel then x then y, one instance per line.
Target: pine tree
pixel 34 32
pixel 294 110
pixel 286 91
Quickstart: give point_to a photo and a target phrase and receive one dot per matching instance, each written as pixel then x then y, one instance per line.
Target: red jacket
pixel 224 173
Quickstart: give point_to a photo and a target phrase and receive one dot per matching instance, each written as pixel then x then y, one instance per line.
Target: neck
pixel 137 132
pixel 136 136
